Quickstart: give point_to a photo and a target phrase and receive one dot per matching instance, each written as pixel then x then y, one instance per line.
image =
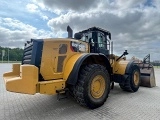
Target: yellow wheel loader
pixel 84 65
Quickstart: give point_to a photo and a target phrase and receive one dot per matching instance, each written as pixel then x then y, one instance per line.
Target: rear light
pixel 77 46
pixel 74 46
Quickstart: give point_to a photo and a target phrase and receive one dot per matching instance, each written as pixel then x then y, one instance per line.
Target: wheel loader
pixel 83 65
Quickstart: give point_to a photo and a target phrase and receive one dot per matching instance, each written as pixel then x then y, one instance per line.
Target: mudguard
pixel 76 62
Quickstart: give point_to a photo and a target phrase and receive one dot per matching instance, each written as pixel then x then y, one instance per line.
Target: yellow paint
pixel 23 81
pixel 136 78
pixel 50 87
pixel 49 60
pixel 97 86
pixel 70 64
pixel 119 66
pixel 24 78
pixel 50 53
pixel 14 73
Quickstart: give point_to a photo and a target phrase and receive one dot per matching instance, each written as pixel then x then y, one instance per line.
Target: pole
pixel 8 54
pixel 3 54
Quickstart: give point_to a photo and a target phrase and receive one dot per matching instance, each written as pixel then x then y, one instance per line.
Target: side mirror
pixel 125 53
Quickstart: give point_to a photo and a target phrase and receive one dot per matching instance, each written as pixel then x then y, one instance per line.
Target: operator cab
pixel 98 39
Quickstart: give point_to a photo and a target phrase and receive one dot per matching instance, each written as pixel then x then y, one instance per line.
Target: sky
pixel 134 24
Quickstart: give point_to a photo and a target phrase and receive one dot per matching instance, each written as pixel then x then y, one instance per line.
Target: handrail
pixel 146 60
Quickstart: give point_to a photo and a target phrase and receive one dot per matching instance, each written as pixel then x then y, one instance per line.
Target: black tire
pixel 132 82
pixel 88 76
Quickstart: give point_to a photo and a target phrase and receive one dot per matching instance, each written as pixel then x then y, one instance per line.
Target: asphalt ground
pixel 120 105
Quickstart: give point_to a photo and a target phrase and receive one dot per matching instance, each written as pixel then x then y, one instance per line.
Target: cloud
pixel 32 8
pixel 63 5
pixel 134 24
pixel 44 17
pixel 14 33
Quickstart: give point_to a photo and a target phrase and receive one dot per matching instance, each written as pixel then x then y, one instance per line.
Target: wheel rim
pixel 97 86
pixel 136 78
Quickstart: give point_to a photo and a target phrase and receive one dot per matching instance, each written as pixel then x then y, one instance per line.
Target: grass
pixel 157 67
pixel 10 62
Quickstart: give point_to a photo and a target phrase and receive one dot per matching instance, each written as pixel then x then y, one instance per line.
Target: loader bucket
pixel 147 75
pixel 147 71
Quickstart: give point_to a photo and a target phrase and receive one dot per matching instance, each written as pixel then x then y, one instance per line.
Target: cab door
pixel 102 44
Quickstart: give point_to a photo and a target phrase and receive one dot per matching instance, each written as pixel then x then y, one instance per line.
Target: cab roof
pixel 94 29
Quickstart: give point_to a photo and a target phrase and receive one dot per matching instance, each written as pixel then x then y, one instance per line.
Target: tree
pixel 15 54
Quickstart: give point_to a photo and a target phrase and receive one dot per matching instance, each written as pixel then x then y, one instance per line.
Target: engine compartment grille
pixel 33 52
pixel 27 53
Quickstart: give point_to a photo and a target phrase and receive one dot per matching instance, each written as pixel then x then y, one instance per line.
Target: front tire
pixel 132 82
pixel 93 86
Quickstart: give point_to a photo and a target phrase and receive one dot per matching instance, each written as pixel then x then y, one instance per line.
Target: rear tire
pixel 132 82
pixel 93 86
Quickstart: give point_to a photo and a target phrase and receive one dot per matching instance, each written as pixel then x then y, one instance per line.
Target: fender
pixel 70 64
pixel 129 65
pixel 121 77
pixel 73 74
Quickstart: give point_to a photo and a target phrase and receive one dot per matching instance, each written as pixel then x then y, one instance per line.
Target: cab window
pixel 101 41
pixel 86 37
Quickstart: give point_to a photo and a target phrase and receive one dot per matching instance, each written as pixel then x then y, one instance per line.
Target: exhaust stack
pixel 70 32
